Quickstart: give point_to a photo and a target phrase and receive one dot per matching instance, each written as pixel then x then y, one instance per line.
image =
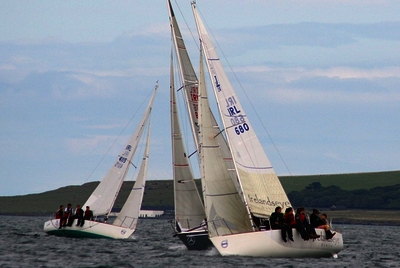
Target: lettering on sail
pixel 237 119
pixel 194 100
pixel 123 158
pixel 268 202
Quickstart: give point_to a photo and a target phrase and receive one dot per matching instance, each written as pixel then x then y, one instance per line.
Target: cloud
pixel 328 85
pixel 90 144
pixel 342 72
pixel 305 34
pixel 298 95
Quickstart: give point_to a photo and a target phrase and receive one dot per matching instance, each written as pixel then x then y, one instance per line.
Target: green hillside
pixel 351 181
pixel 159 194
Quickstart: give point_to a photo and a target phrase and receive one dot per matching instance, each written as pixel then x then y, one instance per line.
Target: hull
pixel 270 244
pixel 195 240
pixel 91 229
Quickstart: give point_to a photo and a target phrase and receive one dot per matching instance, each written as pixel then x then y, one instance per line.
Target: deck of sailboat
pixel 270 244
pixel 91 229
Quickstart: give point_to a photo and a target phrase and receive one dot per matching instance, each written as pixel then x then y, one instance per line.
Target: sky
pixel 320 78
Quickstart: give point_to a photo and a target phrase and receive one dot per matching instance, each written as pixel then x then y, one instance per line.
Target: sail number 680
pixel 241 128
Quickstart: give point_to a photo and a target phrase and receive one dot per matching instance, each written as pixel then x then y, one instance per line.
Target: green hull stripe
pixel 76 234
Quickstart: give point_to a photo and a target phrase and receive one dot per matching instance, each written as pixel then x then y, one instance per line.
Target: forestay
pixel 103 197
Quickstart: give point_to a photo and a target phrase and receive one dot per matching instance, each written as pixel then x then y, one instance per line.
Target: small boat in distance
pixel 103 197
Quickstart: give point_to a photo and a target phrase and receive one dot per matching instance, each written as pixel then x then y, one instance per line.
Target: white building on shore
pixel 144 213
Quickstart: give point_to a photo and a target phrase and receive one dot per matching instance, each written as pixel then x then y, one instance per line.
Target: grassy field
pixel 347 182
pixel 374 217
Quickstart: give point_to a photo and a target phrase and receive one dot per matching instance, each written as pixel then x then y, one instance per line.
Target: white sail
pixel 188 75
pixel 262 188
pixel 224 207
pixel 103 197
pixel 189 209
pixel 190 89
pixel 130 211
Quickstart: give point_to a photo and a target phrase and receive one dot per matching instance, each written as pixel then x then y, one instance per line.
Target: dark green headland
pixel 374 187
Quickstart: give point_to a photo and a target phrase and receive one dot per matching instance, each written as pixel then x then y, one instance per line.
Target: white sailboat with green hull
pixel 102 200
pixel 257 189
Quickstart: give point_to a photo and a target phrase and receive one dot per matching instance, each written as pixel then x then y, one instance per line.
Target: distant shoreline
pixel 359 217
pixel 364 217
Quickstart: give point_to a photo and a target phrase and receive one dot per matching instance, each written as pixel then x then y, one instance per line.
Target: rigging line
pixel 247 97
pixel 182 103
pixel 122 131
pixel 141 148
pixel 187 25
pixel 192 154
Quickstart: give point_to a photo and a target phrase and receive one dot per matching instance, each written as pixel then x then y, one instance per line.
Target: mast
pixel 188 75
pixel 189 209
pixel 103 197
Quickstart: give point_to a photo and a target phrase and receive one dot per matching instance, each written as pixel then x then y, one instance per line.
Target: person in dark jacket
pixel 78 215
pixel 315 220
pixel 303 226
pixel 277 223
pixel 88 215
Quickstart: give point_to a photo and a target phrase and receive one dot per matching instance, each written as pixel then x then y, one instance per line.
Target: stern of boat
pixel 270 244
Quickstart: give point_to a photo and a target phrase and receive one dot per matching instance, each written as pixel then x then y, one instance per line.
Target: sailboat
pixel 231 205
pixel 189 226
pixel 102 199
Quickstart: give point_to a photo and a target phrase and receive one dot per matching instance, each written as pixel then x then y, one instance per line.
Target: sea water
pixel 24 244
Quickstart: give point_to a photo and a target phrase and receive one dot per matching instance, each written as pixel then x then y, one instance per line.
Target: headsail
pixel 225 210
pixel 129 213
pixel 103 197
pixel 262 188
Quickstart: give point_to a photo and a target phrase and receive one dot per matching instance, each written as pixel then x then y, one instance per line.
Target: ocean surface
pixel 24 244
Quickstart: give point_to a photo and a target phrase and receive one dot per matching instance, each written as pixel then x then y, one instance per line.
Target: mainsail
pixel 189 209
pixel 261 187
pixel 103 197
pixel 188 75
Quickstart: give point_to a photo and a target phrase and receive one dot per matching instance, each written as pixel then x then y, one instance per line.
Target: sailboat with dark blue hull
pixel 189 224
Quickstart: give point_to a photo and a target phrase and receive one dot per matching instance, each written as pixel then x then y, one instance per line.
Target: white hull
pixel 91 229
pixel 270 244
